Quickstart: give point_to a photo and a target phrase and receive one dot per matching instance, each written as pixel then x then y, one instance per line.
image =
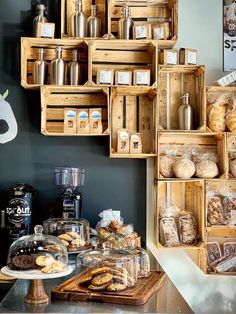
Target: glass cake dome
pixel 37 251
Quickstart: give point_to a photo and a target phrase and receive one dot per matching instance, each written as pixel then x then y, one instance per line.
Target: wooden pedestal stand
pixel 36 293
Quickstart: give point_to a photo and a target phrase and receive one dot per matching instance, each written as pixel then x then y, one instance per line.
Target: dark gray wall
pixel 31 157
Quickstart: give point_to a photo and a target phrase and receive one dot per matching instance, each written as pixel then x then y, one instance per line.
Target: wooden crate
pixel 219 187
pixel 135 110
pixel 153 11
pixel 209 141
pixel 122 55
pixel 54 99
pixel 213 93
pixel 68 9
pixel 174 81
pixel 230 153
pixel 186 195
pixel 29 54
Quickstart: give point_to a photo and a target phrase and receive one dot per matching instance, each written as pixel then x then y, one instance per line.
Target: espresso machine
pixel 69 201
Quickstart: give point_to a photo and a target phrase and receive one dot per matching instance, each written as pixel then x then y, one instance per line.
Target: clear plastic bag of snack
pixel 169 210
pixel 169 230
pixel 206 164
pixel 214 210
pixel 229 209
pixel 184 167
pixel 188 229
pixel 213 252
pixel 229 248
pixel 225 264
pixel 167 161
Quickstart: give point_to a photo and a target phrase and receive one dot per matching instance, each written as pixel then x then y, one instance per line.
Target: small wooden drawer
pixel 68 9
pixel 174 81
pixel 29 54
pixel 122 56
pixel 55 99
pixel 156 11
pixel 134 110
pixel 179 142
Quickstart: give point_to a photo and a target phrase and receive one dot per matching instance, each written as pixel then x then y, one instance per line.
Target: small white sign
pixel 142 77
pixel 171 58
pixel 46 30
pixel 123 78
pixel 105 77
pixel 141 32
pixel 158 33
pixel 192 57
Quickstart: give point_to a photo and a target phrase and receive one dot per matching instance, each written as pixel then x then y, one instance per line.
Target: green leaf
pixel 4 96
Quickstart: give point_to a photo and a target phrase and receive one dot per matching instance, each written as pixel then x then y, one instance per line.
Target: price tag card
pixel 105 77
pixel 171 57
pixel 141 31
pixel 192 57
pixel 123 77
pixel 142 77
pixel 158 32
pixel 46 30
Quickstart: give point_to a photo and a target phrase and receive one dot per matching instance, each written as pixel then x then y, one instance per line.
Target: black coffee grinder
pixel 17 215
pixel 69 202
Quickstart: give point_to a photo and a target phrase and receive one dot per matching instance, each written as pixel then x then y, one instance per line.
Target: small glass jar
pixel 74 233
pixel 37 251
pixel 106 270
pixel 143 260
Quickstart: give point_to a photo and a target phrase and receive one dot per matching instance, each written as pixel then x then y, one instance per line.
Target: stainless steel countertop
pixel 166 300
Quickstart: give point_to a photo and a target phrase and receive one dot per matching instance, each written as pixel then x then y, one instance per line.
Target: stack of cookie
pixel 49 264
pixel 72 240
pixel 105 279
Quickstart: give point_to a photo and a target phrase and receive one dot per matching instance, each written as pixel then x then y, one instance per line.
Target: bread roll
pixel 232 167
pixel 231 120
pixel 166 166
pixel 184 168
pixel 216 117
pixel 206 169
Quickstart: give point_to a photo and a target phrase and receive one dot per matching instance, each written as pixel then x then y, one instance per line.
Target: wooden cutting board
pixel 137 295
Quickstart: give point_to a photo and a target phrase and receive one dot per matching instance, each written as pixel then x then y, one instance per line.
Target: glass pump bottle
pixel 41 12
pixel 74 69
pixel 40 68
pixel 58 69
pixel 94 23
pixel 125 24
pixel 79 21
pixel 185 113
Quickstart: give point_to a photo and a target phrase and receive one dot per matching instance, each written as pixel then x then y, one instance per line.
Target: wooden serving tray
pixel 137 295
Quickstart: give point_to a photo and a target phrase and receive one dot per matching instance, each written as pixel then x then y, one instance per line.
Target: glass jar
pixel 74 233
pixel 106 270
pixel 38 252
pixel 143 260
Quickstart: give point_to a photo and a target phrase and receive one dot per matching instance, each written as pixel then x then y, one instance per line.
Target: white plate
pixel 34 274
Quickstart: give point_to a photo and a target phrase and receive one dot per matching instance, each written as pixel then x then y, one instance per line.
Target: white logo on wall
pixel 229 35
pixel 8 124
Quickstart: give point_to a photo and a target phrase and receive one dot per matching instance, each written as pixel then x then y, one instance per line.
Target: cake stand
pixel 36 293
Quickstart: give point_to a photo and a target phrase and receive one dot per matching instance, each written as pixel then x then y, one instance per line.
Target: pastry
pixel 113 287
pixel 53 248
pixel 77 242
pixel 98 288
pixel 73 235
pixel 56 267
pixel 44 260
pixel 65 237
pixel 184 168
pixel 65 242
pixel 216 117
pixel 102 279
pixel 206 169
pixel 166 166
pixel 23 262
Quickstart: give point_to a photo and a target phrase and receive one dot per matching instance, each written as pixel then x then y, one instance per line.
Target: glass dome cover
pixel 38 252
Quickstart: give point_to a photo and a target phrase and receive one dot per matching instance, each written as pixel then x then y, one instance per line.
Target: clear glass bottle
pixel 74 69
pixel 40 68
pixel 41 12
pixel 185 113
pixel 125 24
pixel 94 23
pixel 79 21
pixel 58 69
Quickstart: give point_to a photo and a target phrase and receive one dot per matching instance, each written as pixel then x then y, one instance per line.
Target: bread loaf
pixel 184 168
pixel 216 117
pixel 231 120
pixel 166 166
pixel 206 169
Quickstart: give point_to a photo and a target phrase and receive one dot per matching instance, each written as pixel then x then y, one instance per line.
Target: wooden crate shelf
pixel 137 114
pixel 178 141
pixel 173 81
pixel 54 99
pixel 186 195
pixel 213 95
pixel 152 12
pixel 68 9
pixel 122 55
pixel 29 54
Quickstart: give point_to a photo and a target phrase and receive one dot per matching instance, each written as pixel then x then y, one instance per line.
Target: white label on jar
pixel 123 78
pixel 83 115
pixel 142 77
pixel 47 30
pixel 192 57
pixel 105 77
pixel 171 58
pixel 158 33
pixel 141 32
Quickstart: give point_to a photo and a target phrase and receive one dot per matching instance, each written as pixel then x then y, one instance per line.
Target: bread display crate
pixel 219 101
pixel 68 9
pixel 55 99
pixel 135 110
pixel 173 82
pixel 29 54
pixel 122 55
pixel 186 196
pixel 151 11
pixel 179 142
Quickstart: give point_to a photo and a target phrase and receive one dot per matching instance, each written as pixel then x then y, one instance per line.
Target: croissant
pixel 216 117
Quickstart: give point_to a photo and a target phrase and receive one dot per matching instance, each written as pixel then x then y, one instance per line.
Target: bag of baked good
pixel 214 209
pixel 168 232
pixel 184 167
pixel 188 229
pixel 231 116
pixel 167 161
pixel 169 210
pixel 229 209
pixel 206 165
pixel 213 252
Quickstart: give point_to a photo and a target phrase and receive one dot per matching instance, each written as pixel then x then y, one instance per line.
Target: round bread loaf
pixel 207 169
pixel 216 117
pixel 166 166
pixel 184 168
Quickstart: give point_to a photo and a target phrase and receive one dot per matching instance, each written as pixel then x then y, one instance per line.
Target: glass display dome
pixel 106 270
pixel 74 233
pixel 143 260
pixel 38 252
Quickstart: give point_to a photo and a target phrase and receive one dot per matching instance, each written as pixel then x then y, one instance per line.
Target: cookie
pixel 100 270
pixel 113 287
pixel 98 288
pixel 102 279
pixel 44 260
pixel 83 279
pixel 77 242
pixel 65 237
pixel 53 248
pixel 56 267
pixel 23 262
pixel 73 235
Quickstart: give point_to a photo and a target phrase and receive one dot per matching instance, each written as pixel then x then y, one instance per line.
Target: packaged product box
pixel 123 141
pixel 187 56
pixel 95 120
pixel 83 121
pixel 135 146
pixel 70 120
pixel 168 56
